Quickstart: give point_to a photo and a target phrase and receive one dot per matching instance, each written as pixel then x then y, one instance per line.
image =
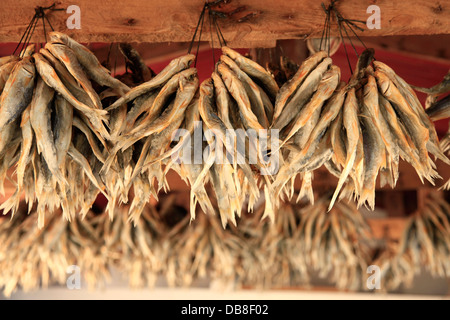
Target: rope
pixel 200 20
pixel 39 14
pixel 212 38
pixel 213 25
pixel 343 24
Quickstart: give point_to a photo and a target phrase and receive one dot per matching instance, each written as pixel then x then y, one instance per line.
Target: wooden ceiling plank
pixel 256 22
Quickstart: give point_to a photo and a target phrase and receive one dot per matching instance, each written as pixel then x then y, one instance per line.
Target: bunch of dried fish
pixel 53 127
pixel 397 270
pixel 439 109
pixel 145 120
pixel 362 131
pixel 166 243
pixel 425 242
pixel 92 255
pixel 272 258
pixel 236 107
pixel 304 109
pixel 137 251
pixel 33 258
pixel 336 244
pixel 396 127
pixel 202 249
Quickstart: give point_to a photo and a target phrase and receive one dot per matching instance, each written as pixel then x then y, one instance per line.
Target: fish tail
pixel 204 201
pixel 395 174
pixel 136 209
pixel 125 144
pixel 269 208
pixel 345 173
pixel 445 186
pixel 12 204
pixel 110 160
pixel 103 132
pixel 368 196
pixel 111 208
pixel 41 212
pixel 437 152
pixel 306 190
pixel 193 205
pixel 278 186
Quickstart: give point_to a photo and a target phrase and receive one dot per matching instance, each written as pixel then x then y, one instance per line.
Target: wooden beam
pixel 431 46
pixel 248 23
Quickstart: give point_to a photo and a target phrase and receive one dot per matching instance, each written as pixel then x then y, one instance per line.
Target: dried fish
pixel 424 242
pixel 5 72
pixel 440 109
pixel 419 133
pixel 48 74
pixel 90 63
pixel 255 71
pixel 301 96
pixel 252 90
pixel 70 61
pixel 325 89
pixel 237 90
pixel 18 92
pixel 353 132
pixel 174 67
pixel 141 72
pixel 40 117
pixel 62 129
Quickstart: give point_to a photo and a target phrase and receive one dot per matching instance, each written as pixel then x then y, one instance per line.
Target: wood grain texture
pixel 249 23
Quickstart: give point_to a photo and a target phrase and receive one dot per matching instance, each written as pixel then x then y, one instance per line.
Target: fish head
pixel 58 37
pixel 50 46
pixel 331 75
pixel 189 74
pixel 366 58
pixel 28 51
pixel 62 51
pixel 38 57
pixel 48 56
pixel 215 77
pixel 43 65
pixel 230 52
pixel 364 61
pixel 187 60
pixel 228 61
pixel 224 71
pixel 27 67
pixel 383 81
pixel 206 88
pixel 383 67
